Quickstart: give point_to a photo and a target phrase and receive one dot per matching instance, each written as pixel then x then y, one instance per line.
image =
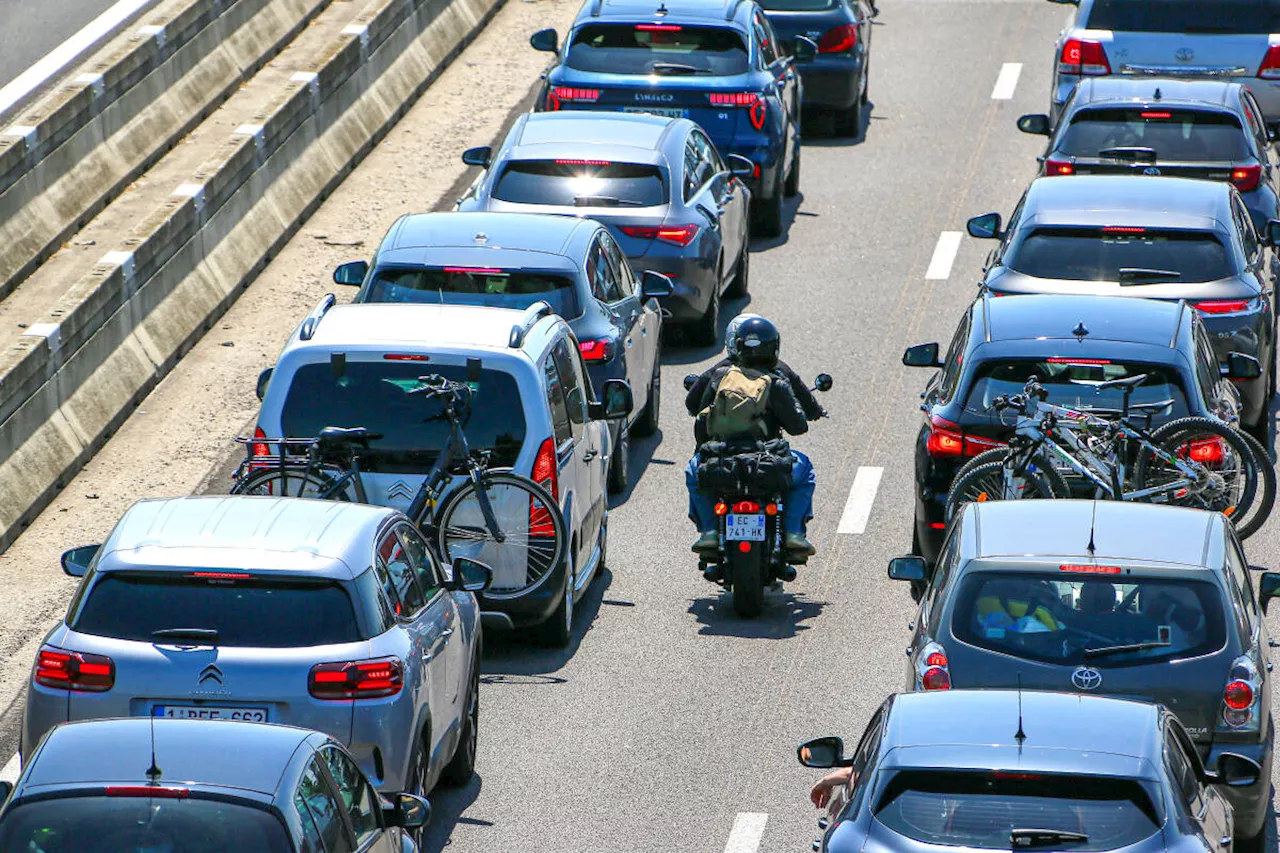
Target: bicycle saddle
pixel 1129 383
pixel 346 435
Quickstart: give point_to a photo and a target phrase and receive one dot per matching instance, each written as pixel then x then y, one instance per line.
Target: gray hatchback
pixel 1121 599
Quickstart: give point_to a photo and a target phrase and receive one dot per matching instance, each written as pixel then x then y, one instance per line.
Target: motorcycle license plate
pixel 748 527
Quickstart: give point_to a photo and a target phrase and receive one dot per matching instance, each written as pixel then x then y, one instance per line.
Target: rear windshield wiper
pixel 1130 647
pixel 677 68
pixel 1025 838
pixel 206 635
pixel 604 201
pixel 1129 152
pixel 1142 275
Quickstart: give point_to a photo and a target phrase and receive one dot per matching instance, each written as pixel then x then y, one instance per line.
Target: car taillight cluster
pixel 1270 67
pixel 357 679
pixel 932 668
pixel 1083 58
pixel 598 349
pixel 546 473
pixel 758 109
pixel 1058 167
pixel 65 670
pixel 680 235
pixel 1246 178
pixel 1240 696
pixel 947 439
pixel 557 95
pixel 1223 306
pixel 841 39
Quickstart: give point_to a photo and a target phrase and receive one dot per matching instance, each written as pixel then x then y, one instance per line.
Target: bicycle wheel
pixel 1263 502
pixel 1228 469
pixel 534 535
pixel 282 482
pixel 985 482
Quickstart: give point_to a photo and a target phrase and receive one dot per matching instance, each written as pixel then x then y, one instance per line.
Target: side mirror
pixel 689 380
pixel 985 227
pixel 546 41
pixel 615 401
pixel 804 49
pixel 471 575
pixel 909 568
pixel 740 166
pixel 823 382
pixel 921 355
pixel 1234 771
pixel 264 378
pixel 1268 588
pixel 1273 132
pixel 1272 235
pixel 1241 366
pixel 822 752
pixel 351 273
pixel 655 285
pixel 1036 124
pixel 1066 2
pixel 76 561
pixel 409 812
pixel 481 156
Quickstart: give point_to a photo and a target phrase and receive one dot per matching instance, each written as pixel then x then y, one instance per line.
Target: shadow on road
pixel 781 620
pixel 819 130
pixel 642 456
pixel 447 806
pixel 514 658
pixel 678 349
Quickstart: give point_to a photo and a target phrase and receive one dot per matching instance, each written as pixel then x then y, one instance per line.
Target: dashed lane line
pixel 748 829
pixel 1007 81
pixel 857 510
pixel 944 255
pixel 11 769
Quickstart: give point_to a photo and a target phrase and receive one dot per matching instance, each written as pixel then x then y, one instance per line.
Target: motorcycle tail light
pixel 746 506
pixel 722 508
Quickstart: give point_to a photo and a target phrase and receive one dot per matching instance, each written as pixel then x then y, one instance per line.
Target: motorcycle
pixel 751 556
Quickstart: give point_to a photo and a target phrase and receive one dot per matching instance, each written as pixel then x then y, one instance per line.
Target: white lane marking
pixel 944 254
pixel 1007 81
pixel 11 770
pixel 748 828
pixel 67 52
pixel 857 510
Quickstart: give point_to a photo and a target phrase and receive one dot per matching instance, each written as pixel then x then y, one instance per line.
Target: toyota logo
pixel 1086 678
pixel 1184 54
pixel 1151 170
pixel 399 489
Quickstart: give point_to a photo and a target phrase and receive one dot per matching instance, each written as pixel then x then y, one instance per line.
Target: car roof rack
pixel 731 9
pixel 532 315
pixel 596 7
pixel 1177 323
pixel 308 330
pixel 986 315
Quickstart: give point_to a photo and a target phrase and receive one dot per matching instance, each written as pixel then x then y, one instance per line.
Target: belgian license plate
pixel 668 112
pixel 748 527
pixel 210 712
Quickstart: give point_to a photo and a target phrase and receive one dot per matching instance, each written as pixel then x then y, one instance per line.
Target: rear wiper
pixel 208 635
pixel 1129 152
pixel 1131 647
pixel 604 201
pixel 677 68
pixel 1024 838
pixel 1142 275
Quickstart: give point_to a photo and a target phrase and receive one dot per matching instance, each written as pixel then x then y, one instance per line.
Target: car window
pixel 1175 133
pixel 692 169
pixel 948 557
pixel 708 150
pixel 864 759
pixel 1098 254
pixel 315 795
pixel 401 577
pixel 955 355
pixel 800 5
pixel 311 842
pixel 646 48
pixel 1207 372
pixel 1219 17
pixel 556 400
pixel 575 389
pixel 1074 383
pixel 422 560
pixel 495 288
pixel 581 183
pixel 1181 770
pixel 601 274
pixel 1254 116
pixel 1244 225
pixel 624 284
pixel 1242 591
pixel 355 794
pixel 764 36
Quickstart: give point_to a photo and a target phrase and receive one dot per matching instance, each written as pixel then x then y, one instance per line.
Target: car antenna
pixel 1093 520
pixel 1080 331
pixel 153 772
pixel 1021 735
pixel 1157 95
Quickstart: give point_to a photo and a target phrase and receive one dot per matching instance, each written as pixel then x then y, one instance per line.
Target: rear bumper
pixel 693 279
pixel 531 608
pixel 832 81
pixel 1266 91
pixel 1250 804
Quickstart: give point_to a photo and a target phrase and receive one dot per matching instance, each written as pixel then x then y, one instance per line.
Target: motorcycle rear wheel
pixel 748 587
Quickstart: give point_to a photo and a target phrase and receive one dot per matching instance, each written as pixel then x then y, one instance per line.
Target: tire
pixel 557 631
pixel 995 454
pixel 848 122
pixel 1263 502
pixel 620 462
pixel 741 276
pixel 461 531
pixel 981 481
pixel 766 218
pixel 792 186
pixel 462 767
pixel 705 331
pixel 1235 496
pixel 416 780
pixel 277 482
pixel 647 424
pixel 748 587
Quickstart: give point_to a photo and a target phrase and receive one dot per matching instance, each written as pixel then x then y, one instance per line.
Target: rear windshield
pixel 374 395
pixel 570 183
pixel 657 49
pixel 800 5
pixel 1186 16
pixel 98 824
pixel 1099 254
pixel 1073 382
pixel 1099 619
pixel 968 809
pixel 245 610
pixel 472 286
pixel 1191 136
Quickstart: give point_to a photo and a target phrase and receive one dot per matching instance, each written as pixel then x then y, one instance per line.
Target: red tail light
pixel 1222 306
pixel 1123 229
pixel 931 668
pixel 154 792
pixel 1246 177
pixel 358 679
pixel 1238 695
pixel 722 508
pixel 936 659
pixel 841 39
pixel 681 235
pixel 947 439
pixel 936 678
pixel 759 110
pixel 1089 569
pixel 640 232
pixel 1270 67
pixel 746 506
pixel 65 670
pixel 659 28
pixel 260 448
pixel 556 95
pixel 546 472
pixel 1206 451
pixel 596 350
pixel 1058 167
pixel 405 356
pixel 1086 58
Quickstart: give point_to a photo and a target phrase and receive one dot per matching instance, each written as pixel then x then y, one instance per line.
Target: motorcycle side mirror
pixel 689 380
pixel 822 752
pixel 823 382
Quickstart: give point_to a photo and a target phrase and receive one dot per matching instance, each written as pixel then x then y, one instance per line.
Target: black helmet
pixel 756 342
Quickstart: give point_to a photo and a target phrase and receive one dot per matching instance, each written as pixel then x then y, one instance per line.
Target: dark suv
pixel 718 62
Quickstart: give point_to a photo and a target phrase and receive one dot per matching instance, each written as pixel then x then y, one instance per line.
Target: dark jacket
pixel 809 404
pixel 783 412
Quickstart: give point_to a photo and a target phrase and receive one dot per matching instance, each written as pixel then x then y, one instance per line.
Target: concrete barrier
pixel 123 327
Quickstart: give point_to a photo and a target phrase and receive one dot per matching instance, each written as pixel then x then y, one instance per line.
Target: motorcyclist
pixel 754 344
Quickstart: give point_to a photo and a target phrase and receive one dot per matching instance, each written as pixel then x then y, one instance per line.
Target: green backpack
pixel 739 405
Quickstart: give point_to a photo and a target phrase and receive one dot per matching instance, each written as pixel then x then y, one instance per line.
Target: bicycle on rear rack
pixel 495 516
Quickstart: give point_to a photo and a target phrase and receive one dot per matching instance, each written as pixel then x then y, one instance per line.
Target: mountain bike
pixel 1190 461
pixel 495 516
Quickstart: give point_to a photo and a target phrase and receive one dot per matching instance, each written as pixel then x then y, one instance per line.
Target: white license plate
pixel 668 112
pixel 748 527
pixel 210 712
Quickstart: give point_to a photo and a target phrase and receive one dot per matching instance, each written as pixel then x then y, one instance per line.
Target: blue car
pixel 717 62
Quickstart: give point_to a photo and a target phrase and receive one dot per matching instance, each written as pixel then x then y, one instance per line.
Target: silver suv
pixel 320 614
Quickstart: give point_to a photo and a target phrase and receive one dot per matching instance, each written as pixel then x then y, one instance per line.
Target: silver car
pixel 1218 39
pixel 321 614
pixel 673 204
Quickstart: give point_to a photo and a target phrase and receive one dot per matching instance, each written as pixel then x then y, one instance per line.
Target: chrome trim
pixel 1185 70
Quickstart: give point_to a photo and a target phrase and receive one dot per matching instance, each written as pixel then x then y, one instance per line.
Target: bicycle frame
pixel 457 450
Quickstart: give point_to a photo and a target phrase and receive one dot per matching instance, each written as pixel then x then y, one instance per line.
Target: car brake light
pixel 936 659
pixel 758 108
pixel 65 670
pixel 596 350
pixel 1081 57
pixel 260 448
pixel 358 679
pixel 1058 167
pixel 1222 306
pixel 1123 229
pixel 1079 361
pixel 640 232
pixel 1020 777
pixel 1154 114
pixel 931 667
pixel 947 439
pixel 1238 695
pixel 1246 177
pixel 546 473
pixel 221 576
pixel 404 356
pixel 680 235
pixel 155 792
pixel 841 39
pixel 558 94
pixel 936 678
pixel 659 28
pixel 582 163
pixel 1270 67
pixel 746 506
pixel 1088 569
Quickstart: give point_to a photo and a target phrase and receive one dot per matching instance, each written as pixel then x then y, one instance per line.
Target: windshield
pixel 570 183
pixel 1172 134
pixel 1186 16
pixel 1099 254
pixel 374 394
pixel 1073 382
pixel 475 286
pixel 98 824
pixel 1103 619
pixel 800 5
pixel 657 49
pixel 982 809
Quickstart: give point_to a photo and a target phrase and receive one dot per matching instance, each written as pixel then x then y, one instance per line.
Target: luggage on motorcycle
pixel 739 405
pixel 738 467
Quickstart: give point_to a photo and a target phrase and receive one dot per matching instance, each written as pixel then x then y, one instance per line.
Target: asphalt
pixel 29 30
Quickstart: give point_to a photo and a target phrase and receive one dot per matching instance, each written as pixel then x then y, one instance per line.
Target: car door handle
pixel 628 341
pixel 1225 841
pixel 589 455
pixel 447 633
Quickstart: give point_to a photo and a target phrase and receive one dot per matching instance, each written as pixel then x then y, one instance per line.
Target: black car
pixel 1160 126
pixel 1069 343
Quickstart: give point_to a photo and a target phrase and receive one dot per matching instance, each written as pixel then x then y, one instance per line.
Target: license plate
pixel 668 112
pixel 210 712
pixel 748 527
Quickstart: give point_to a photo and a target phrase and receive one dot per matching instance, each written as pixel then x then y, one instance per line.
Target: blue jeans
pixel 797 506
